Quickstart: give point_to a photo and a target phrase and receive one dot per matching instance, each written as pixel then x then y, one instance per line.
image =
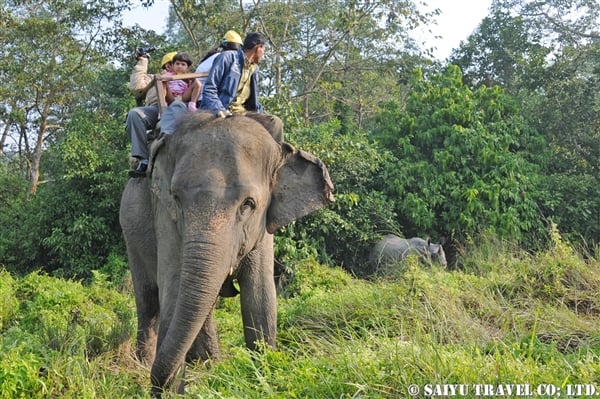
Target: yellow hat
pixel 167 58
pixel 232 37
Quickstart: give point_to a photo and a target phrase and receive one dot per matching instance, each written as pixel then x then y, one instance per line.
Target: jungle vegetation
pixel 501 138
pixel 497 149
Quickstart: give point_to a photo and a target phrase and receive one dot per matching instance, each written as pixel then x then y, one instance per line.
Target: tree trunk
pixel 35 163
pixel 3 139
pixel 39 146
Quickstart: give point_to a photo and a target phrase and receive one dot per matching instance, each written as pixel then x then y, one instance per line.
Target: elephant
pixel 393 248
pixel 205 217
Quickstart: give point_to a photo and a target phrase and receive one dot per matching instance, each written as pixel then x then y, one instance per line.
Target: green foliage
pixel 341 234
pixel 572 201
pixel 13 199
pixel 7 298
pixel 571 181
pixel 546 54
pixel 502 52
pixel 566 22
pixel 13 186
pixel 71 225
pixel 312 277
pixel 48 323
pixel 199 28
pixel 461 161
pixel 70 42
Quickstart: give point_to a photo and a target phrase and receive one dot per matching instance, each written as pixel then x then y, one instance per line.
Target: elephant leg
pixel 258 295
pixel 148 313
pixel 206 344
pixel 169 277
pixel 135 216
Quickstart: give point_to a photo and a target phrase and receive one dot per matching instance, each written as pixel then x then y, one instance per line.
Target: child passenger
pixel 185 90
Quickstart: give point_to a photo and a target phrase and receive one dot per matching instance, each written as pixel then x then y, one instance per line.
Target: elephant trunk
pixel 202 275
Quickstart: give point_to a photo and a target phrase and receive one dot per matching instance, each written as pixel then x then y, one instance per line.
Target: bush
pixel 461 161
pixel 7 299
pixel 71 226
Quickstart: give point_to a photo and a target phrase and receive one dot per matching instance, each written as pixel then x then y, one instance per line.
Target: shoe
pixel 192 106
pixel 140 171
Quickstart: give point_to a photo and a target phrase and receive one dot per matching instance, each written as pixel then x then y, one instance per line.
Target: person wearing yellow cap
pixel 231 41
pixel 144 117
pixel 167 59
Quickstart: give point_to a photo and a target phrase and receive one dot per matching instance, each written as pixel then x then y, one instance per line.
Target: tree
pixel 54 48
pixel 462 161
pixel 546 54
pixel 502 52
pixel 70 227
pixel 63 103
pixel 336 57
pixel 561 22
pixel 200 25
pixel 331 58
pixel 568 113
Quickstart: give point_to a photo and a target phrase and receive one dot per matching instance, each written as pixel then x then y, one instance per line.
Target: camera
pixel 144 51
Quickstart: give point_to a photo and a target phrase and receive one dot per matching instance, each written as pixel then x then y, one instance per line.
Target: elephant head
pixel 220 188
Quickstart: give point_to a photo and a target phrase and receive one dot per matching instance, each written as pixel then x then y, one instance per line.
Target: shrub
pixel 461 161
pixel 9 302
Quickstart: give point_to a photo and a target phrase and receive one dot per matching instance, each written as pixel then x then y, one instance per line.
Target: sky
pixel 458 19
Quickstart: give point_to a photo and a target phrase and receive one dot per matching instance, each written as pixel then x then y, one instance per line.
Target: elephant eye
pixel 248 205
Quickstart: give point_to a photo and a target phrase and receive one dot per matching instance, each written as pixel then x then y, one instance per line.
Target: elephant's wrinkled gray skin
pixel 219 189
pixel 393 248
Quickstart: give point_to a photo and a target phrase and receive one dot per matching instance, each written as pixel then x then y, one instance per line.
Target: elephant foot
pixel 204 349
pixel 145 347
pixel 161 383
pixel 144 356
pixel 156 392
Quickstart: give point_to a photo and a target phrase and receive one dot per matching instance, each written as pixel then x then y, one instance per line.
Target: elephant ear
pixel 302 185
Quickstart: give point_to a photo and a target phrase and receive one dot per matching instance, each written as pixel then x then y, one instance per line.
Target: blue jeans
pixel 170 116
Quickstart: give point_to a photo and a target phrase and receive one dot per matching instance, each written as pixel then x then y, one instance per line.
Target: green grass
pixel 508 317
